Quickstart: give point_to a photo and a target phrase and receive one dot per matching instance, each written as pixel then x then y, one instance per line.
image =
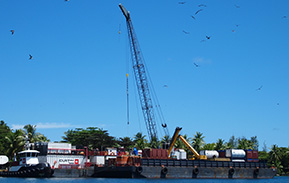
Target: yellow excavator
pixel 174 139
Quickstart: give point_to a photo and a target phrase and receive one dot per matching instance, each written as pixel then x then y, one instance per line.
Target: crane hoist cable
pixel 127 99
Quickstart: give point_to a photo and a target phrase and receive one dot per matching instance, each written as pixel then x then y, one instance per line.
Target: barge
pixel 68 162
pixel 188 169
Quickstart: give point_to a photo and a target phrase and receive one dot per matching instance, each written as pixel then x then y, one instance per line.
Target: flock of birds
pixel 201 6
pixel 13 31
pixel 194 17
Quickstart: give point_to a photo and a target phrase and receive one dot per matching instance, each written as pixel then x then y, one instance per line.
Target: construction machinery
pixel 141 80
pixel 174 139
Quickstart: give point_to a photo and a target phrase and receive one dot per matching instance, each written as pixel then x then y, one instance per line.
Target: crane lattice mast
pixel 141 78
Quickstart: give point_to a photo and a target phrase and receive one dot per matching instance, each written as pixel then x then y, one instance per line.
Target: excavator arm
pixel 198 156
pixel 174 139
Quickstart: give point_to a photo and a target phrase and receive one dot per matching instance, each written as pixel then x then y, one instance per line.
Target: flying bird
pixel 186 32
pixel 66 0
pixel 12 32
pixel 259 88
pixel 200 5
pixel 164 125
pixel 237 6
pixel 196 65
pixel 183 2
pixel 208 37
pixel 198 11
pixel 237 25
pixel 165 86
pixel 193 17
pixel 30 57
pixel 284 16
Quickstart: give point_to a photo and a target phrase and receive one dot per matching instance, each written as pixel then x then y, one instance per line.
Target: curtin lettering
pixel 66 160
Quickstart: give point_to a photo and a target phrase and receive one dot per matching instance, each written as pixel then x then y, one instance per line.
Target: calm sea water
pixel 100 180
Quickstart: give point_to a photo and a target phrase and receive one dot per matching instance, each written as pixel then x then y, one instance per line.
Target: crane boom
pixel 141 78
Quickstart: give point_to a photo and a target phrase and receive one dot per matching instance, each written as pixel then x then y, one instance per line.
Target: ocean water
pixel 102 180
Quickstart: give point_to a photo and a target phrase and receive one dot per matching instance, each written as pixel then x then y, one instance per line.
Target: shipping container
pixel 150 153
pixel 222 153
pixel 249 154
pixel 235 153
pixel 56 161
pixel 255 154
pixel 98 160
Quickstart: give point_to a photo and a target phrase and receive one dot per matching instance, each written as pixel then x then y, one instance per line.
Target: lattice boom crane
pixel 141 78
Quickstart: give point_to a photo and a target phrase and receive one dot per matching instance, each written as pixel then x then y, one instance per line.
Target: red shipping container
pixel 249 154
pixel 255 154
pixel 164 154
pixel 147 153
pixel 154 154
pixel 222 154
pixel 159 153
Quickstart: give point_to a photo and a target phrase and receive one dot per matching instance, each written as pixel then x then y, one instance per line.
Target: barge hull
pixel 188 169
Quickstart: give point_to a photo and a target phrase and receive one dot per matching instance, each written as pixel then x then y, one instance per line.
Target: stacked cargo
pixel 125 161
pixel 178 154
pixel 236 155
pixel 252 155
pixel 150 153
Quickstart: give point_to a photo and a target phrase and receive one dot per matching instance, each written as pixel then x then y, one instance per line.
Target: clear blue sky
pixel 77 77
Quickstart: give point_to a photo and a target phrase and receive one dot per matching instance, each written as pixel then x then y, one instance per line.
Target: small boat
pixel 28 166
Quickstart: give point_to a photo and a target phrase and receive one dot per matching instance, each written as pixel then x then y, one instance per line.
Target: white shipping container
pixel 64 148
pixel 210 153
pixel 183 154
pixel 98 160
pixel 54 145
pixel 179 154
pixel 235 153
pixel 56 160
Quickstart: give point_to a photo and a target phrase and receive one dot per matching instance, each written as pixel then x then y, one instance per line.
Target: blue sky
pixel 77 77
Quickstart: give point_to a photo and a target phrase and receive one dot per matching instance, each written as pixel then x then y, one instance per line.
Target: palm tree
pixel 275 158
pixel 4 131
pixel 165 142
pixel 140 141
pixel 233 143
pixel 154 143
pixel 255 143
pixel 126 142
pixel 209 146
pixel 16 142
pixel 198 141
pixel 220 145
pixel 244 143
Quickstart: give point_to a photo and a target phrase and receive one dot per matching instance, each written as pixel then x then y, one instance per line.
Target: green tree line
pixel 12 141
